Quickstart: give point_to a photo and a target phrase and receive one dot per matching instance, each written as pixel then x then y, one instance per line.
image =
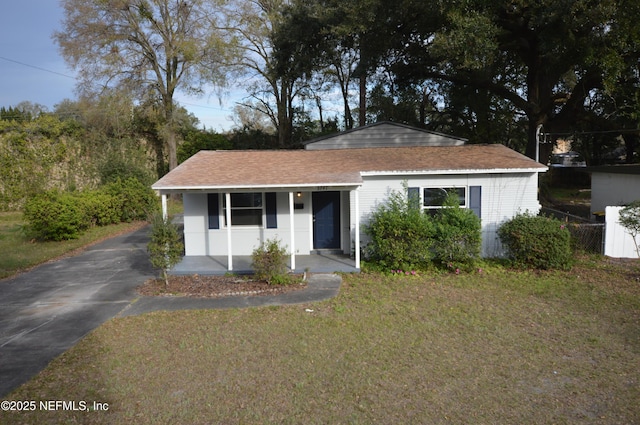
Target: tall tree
pixel 544 57
pixel 337 39
pixel 253 23
pixel 157 46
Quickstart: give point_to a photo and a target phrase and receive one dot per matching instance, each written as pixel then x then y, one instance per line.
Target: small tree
pixel 165 248
pixel 629 218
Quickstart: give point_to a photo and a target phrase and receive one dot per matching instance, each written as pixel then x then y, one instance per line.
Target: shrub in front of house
pixel 458 235
pixel 269 262
pixel 537 241
pixel 401 236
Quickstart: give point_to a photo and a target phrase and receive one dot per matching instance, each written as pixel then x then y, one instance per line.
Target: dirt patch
pixel 215 286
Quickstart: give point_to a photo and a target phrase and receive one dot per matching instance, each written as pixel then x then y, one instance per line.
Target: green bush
pixel 165 246
pixel 116 168
pixel 537 241
pixel 100 207
pixel 55 216
pixel 401 235
pixel 136 201
pixel 458 235
pixel 269 262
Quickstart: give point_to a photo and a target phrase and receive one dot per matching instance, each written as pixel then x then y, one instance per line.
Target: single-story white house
pixel 318 198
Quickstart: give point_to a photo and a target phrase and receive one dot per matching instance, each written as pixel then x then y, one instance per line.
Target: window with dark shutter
pixel 271 210
pixel 213 206
pixel 475 200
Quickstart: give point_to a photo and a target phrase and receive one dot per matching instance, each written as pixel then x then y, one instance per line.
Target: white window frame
pixel 427 208
pixel 262 208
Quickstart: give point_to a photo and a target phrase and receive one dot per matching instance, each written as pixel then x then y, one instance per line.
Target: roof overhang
pixel 455 172
pixel 258 188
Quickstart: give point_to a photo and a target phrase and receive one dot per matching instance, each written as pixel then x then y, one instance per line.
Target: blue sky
pixel 31 68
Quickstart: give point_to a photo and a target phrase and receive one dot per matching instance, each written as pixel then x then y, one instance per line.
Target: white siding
pixel 503 196
pixel 609 189
pixel 195 223
pixel 200 240
pixel 618 242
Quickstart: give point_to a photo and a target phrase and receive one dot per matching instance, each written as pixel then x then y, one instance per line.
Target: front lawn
pixel 496 346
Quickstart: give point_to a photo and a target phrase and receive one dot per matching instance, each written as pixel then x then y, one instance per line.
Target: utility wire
pixel 37 67
pixel 577 133
pixel 73 78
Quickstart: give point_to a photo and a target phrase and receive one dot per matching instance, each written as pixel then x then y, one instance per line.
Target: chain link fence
pixel 586 235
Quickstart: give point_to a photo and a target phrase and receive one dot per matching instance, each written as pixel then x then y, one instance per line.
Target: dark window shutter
pixel 414 197
pixel 213 205
pixel 475 200
pixel 270 209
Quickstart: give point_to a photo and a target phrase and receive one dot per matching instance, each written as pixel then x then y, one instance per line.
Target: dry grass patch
pixel 496 347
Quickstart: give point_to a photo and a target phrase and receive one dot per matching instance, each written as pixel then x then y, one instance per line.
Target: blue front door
pixel 326 220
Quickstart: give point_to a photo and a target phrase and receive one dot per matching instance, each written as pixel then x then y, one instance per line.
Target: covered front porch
pixel 318 226
pixel 218 265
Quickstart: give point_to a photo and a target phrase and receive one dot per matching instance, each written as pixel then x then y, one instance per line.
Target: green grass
pixel 20 253
pixel 498 346
pixel 570 194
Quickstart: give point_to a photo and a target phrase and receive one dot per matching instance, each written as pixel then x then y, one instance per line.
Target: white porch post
pixel 228 214
pixel 357 224
pixel 293 234
pixel 164 206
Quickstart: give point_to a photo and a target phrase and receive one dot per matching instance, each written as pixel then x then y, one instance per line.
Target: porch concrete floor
pixel 217 265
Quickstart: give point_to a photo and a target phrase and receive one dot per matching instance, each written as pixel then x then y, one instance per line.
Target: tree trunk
pixel 631 141
pixel 363 99
pixel 319 105
pixel 170 134
pixel 284 130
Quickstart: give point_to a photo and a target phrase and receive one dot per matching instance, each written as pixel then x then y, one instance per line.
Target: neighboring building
pixel 567 159
pixel 613 185
pixel 383 135
pixel 317 199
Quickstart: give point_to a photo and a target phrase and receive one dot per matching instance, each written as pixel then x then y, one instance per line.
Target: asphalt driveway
pixel 45 311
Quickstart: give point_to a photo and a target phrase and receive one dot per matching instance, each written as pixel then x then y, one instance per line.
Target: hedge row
pixel 55 215
pixel 404 238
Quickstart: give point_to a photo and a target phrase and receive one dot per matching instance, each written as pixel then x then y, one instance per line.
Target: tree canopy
pixel 152 47
pixel 490 71
pixel 484 65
